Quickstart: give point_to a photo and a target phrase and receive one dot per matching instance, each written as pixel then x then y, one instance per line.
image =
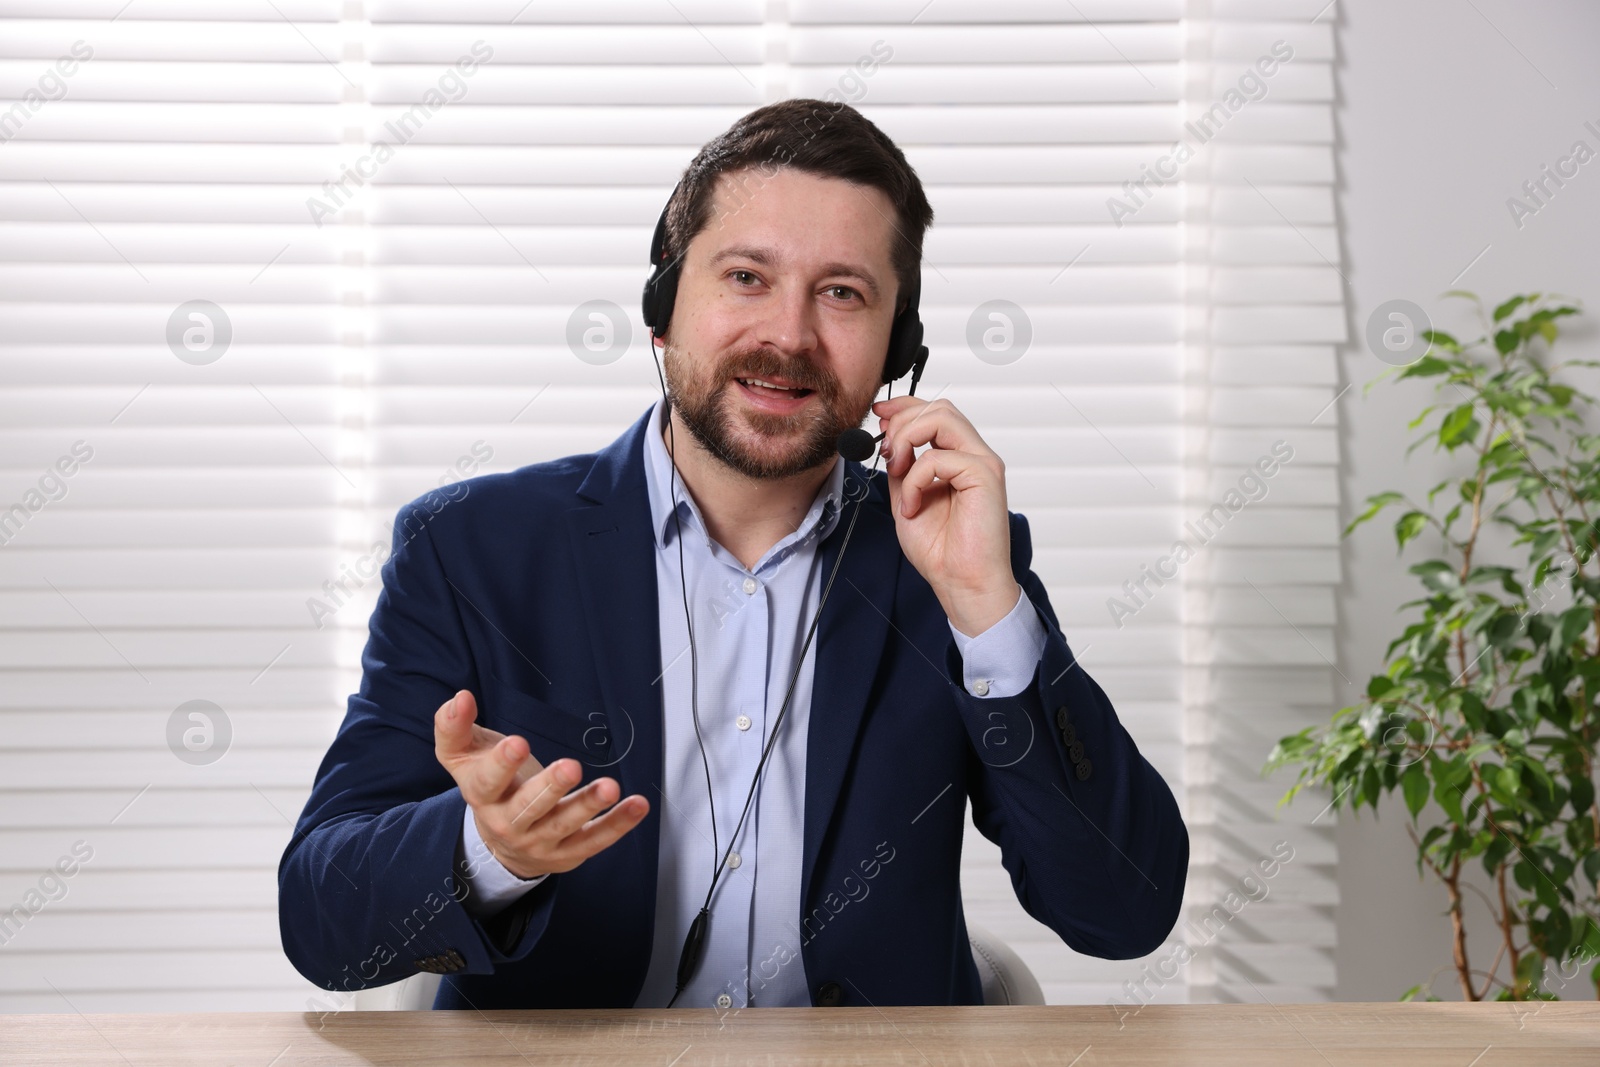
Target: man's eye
pixel 843 292
pixel 743 277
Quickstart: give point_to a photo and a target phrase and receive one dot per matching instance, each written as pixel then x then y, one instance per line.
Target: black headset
pixel 906 353
pixel 906 350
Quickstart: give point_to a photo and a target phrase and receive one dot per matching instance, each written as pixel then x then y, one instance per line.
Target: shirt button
pixel 750 585
pixel 734 860
pixel 742 722
pixel 981 687
pixel 724 1001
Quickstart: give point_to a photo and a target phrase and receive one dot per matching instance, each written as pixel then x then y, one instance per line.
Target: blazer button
pixel 1075 750
pixel 1069 736
pixel 1061 718
pixel 1084 768
pixel 829 994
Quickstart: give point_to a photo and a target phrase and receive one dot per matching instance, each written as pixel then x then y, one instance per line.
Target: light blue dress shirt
pixel 749 625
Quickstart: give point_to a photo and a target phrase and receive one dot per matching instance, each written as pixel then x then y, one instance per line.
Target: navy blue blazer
pixel 536 590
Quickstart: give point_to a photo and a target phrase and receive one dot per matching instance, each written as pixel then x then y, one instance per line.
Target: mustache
pixel 764 363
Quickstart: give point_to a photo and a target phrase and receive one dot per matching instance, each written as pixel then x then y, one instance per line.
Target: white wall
pixel 1441 120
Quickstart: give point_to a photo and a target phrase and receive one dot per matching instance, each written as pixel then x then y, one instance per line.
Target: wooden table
pixel 1238 1035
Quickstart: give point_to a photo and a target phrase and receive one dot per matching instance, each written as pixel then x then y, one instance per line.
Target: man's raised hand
pixel 522 809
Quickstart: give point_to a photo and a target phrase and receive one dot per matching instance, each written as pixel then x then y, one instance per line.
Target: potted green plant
pixel 1489 702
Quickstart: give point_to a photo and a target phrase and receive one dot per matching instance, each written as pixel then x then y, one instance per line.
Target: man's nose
pixel 790 323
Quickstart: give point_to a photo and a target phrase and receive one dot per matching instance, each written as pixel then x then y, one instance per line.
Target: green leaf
pixel 1449 798
pixel 1414 783
pixel 1485 573
pixel 1427 366
pixel 1420 419
pixel 1545 889
pixel 1591 941
pixel 1442 339
pixel 1458 427
pixel 1582 798
pixel 1494 854
pixel 1503 631
pixel 1530 969
pixel 1453 772
pixel 1436 574
pixel 1574 621
pixel 1375 504
pixel 1408 526
pixel 1523 872
pixel 1508 307
pixel 1506 341
pixel 1558 933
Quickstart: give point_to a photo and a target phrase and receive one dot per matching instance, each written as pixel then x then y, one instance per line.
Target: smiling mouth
pixel 764 388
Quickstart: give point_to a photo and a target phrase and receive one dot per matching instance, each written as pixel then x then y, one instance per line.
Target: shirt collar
pixel 819 520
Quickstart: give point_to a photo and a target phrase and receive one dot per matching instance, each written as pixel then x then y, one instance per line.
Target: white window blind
pixel 173 166
pixel 1263 312
pixel 388 331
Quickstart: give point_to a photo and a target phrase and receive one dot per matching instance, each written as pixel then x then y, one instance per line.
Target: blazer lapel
pixel 849 647
pixel 614 554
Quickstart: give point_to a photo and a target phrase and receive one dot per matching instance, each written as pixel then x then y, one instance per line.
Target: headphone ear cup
pixel 647 302
pixel 661 288
pixel 660 293
pixel 667 295
pixel 905 340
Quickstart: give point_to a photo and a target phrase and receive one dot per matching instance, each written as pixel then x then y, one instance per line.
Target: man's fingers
pixel 937 423
pixel 484 763
pixel 488 775
pixel 958 471
pixel 896 404
pixel 572 812
pixel 452 726
pixel 603 832
pixel 539 794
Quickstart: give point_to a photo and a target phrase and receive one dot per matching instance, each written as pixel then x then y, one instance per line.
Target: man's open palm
pixel 522 808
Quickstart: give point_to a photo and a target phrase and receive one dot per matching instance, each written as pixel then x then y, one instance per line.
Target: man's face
pixel 790 283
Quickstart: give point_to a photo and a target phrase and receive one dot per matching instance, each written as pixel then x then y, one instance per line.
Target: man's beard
pixel 705 406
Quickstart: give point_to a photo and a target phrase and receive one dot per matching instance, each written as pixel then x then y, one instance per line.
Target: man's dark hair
pixel 832 140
